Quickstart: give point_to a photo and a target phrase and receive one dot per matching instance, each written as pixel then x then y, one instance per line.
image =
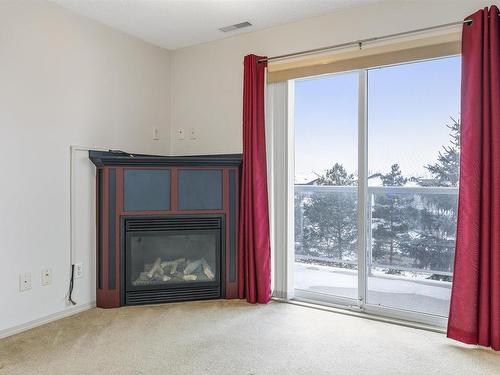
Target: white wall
pixel 207 80
pixel 64 79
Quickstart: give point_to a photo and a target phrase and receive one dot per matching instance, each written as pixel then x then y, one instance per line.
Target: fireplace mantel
pixel 136 186
pixel 116 158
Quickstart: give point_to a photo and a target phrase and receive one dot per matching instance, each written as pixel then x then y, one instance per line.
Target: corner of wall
pixel 171 82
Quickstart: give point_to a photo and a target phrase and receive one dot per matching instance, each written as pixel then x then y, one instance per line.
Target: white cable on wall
pixel 73 150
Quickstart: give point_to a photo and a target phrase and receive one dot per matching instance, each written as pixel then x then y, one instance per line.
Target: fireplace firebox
pixel 167 227
pixel 174 258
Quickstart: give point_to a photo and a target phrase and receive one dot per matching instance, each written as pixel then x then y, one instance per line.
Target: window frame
pixel 280 128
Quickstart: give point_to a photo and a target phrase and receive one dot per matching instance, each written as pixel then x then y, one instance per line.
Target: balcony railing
pixel 424 218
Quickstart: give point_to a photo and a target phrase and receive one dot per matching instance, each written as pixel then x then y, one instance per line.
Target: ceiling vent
pixel 235 27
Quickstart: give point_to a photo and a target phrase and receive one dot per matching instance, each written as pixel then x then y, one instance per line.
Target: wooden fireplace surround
pixel 115 169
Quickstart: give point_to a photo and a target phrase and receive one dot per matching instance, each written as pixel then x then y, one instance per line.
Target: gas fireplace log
pixel 189 277
pixel 192 266
pixel 173 264
pixel 157 270
pixel 207 270
pixel 196 264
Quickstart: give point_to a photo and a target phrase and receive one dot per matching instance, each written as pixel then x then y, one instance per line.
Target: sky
pixel 409 106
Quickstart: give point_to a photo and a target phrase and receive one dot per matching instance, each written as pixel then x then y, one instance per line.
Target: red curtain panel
pixel 475 301
pixel 254 244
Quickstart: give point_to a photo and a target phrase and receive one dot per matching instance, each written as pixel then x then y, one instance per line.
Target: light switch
pixel 46 277
pixel 156 134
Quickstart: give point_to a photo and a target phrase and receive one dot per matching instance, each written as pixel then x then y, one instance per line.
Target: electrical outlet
pixel 46 277
pixel 78 270
pixel 192 133
pixel 180 134
pixel 25 281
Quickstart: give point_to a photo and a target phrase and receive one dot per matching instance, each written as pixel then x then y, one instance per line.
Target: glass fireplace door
pixel 157 259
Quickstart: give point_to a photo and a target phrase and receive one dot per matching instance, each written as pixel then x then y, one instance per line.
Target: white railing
pixel 373 190
pixel 378 189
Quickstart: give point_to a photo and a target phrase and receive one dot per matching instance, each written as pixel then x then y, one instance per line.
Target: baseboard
pixel 280 295
pixel 46 319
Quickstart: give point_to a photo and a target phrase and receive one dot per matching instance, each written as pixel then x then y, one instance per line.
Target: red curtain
pixel 254 244
pixel 475 301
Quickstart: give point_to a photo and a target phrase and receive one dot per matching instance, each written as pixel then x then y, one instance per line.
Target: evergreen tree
pixel 299 222
pixel 434 246
pixel 445 170
pixel 330 219
pixel 338 176
pixel 391 218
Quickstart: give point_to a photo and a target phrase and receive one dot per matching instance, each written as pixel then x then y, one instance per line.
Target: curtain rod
pixel 361 41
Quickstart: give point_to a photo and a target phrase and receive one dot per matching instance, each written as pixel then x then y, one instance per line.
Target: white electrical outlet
pixel 192 133
pixel 46 277
pixel 78 270
pixel 25 281
pixel 180 134
pixel 156 134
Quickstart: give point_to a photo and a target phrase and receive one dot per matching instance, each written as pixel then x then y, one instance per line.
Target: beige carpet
pixel 232 337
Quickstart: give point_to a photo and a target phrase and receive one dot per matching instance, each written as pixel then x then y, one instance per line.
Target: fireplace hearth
pixel 173 258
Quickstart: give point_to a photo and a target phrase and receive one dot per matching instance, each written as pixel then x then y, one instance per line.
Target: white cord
pixel 73 149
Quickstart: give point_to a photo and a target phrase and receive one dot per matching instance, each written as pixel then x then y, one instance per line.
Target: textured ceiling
pixel 175 24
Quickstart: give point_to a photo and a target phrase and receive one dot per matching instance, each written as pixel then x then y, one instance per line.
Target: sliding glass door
pixel 376 175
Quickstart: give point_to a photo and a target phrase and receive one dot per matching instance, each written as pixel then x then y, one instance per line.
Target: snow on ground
pixel 428 296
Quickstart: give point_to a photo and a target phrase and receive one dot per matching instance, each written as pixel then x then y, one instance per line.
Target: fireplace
pixel 173 258
pixel 167 228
